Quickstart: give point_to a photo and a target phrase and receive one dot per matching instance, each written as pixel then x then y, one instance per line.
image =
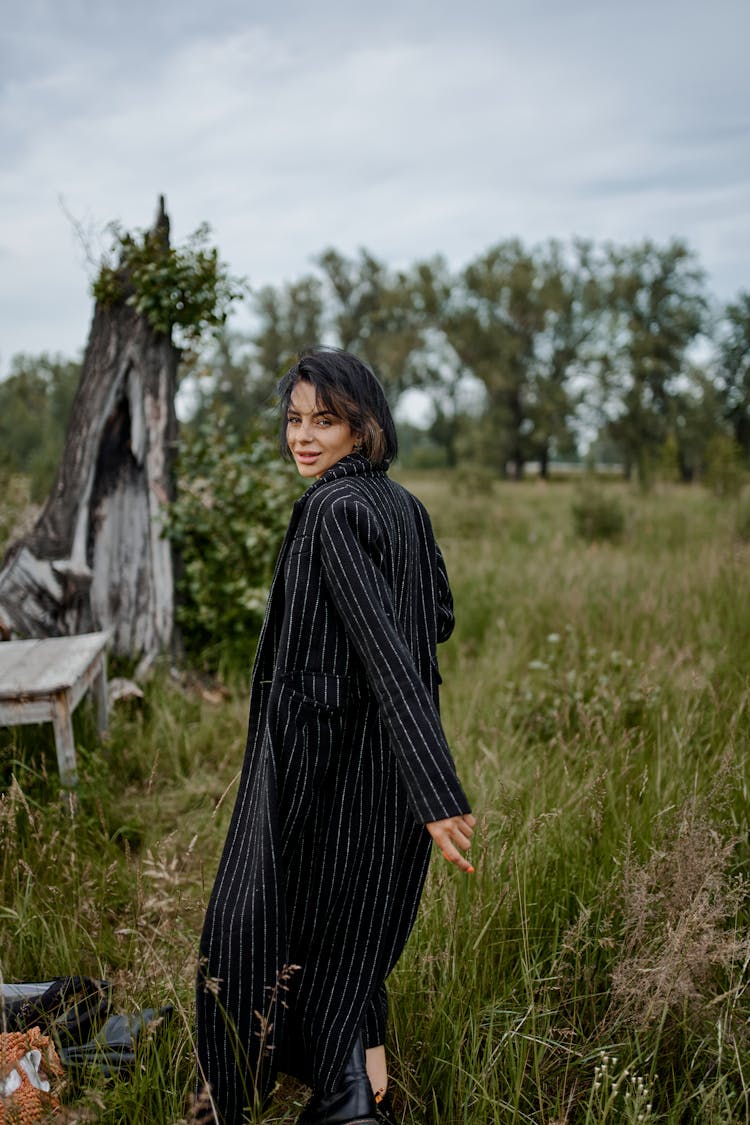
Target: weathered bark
pixel 96 557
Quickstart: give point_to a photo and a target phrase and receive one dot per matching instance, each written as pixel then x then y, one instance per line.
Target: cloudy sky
pixel 409 127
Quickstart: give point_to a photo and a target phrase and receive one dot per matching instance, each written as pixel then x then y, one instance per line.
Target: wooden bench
pixel 43 681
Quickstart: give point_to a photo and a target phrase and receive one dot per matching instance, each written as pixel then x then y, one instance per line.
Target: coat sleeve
pixel 350 542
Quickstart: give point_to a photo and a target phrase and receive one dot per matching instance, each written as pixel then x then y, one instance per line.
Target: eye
pixel 325 421
pixel 292 419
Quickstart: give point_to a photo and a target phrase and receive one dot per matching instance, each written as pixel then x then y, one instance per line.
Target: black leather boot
pixel 384 1109
pixel 351 1103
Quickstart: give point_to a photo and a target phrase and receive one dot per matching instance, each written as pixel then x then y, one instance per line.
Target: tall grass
pixel 593 969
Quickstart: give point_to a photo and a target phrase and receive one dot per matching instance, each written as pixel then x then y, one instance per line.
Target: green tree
pixel 373 312
pixel 290 318
pixel 496 312
pixel 519 322
pixel 237 374
pixel 658 309
pixel 572 292
pixel 439 371
pixel 224 381
pixel 35 403
pixel 733 369
pixel 695 414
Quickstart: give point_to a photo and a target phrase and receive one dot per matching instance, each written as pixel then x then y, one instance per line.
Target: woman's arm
pixel 350 537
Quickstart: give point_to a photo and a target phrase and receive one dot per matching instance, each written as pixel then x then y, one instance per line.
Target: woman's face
pixel 317 439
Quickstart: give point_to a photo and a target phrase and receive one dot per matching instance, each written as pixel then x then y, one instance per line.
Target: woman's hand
pixel 451 834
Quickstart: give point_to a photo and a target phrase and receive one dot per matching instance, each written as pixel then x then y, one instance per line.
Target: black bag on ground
pixel 70 1009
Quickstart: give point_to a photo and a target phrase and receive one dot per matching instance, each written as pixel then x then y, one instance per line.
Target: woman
pixel 347 773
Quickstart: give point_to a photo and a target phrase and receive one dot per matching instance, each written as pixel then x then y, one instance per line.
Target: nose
pixel 305 432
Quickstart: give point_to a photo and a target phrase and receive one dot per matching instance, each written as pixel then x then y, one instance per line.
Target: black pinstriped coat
pixel 346 761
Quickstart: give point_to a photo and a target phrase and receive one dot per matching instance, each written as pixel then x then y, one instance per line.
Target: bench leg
pixel 100 691
pixel 62 721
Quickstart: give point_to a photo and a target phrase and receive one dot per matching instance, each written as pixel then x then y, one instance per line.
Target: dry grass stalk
pixel 679 911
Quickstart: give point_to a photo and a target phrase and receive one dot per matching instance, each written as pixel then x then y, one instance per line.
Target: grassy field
pixel 594 968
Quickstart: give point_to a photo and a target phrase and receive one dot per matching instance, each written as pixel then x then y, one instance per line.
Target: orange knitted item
pixel 21 1101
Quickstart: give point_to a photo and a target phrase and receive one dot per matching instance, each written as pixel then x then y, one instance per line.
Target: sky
pixel 410 128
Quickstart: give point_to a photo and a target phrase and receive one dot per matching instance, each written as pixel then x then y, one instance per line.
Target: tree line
pixel 524 355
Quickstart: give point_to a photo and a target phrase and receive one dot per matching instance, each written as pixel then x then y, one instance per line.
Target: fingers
pixel 453 856
pixel 462 830
pixel 462 836
pixel 451 834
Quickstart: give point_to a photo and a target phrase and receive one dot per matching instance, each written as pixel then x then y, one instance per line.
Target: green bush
pixel 228 520
pixel 597 514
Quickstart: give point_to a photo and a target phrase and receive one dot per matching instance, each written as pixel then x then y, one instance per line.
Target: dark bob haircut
pixel 347 389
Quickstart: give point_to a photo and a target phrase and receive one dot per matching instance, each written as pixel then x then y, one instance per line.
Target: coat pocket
pixel 321 691
pixel 310 721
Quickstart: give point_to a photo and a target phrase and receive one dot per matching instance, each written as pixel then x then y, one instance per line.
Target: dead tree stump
pixel 97 557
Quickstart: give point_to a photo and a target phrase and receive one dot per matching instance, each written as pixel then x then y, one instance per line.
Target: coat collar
pixel 353 465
